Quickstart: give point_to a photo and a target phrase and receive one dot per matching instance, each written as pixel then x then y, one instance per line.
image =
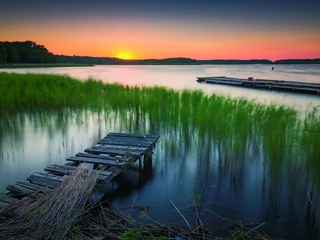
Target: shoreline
pixel 53 65
pixel 44 65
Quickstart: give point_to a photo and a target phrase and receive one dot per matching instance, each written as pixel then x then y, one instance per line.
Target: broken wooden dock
pixel 108 158
pixel 280 85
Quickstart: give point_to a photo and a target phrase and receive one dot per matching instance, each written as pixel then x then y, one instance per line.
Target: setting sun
pixel 125 56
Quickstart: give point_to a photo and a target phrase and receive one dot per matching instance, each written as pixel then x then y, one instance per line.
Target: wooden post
pixel 140 164
pixel 147 157
pixel 95 166
pixel 144 159
pixel 148 163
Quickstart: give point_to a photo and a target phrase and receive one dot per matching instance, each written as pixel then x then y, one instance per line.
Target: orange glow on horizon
pixel 142 40
pixel 125 56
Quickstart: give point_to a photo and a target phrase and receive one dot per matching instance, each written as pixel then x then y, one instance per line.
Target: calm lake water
pixel 185 169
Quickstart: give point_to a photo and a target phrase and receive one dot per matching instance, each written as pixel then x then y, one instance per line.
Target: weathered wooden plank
pixel 50 176
pixel 225 82
pixel 124 141
pixel 114 151
pixel 123 147
pixel 56 170
pixel 64 169
pixel 20 190
pixel 3 204
pixel 32 186
pixel 104 157
pixel 44 180
pixel 307 84
pixel 8 199
pixel 106 173
pixel 275 86
pixel 129 135
pixel 96 161
pixel 282 84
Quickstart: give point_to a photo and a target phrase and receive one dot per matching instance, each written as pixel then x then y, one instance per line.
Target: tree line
pixel 24 52
pixel 118 61
pixel 31 52
pixel 169 61
pixel 177 61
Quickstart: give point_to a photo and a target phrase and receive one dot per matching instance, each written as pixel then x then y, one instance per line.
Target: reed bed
pixel 231 123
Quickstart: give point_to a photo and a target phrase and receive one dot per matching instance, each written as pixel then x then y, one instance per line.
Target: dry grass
pixel 63 213
pixel 54 214
pixel 111 223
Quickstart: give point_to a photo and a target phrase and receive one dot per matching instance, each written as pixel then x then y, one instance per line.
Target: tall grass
pixel 40 91
pixel 231 124
pixel 52 215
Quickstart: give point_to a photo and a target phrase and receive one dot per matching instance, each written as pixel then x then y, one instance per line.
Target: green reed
pixel 234 125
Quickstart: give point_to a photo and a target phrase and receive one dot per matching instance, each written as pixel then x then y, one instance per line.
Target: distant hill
pixel 168 61
pixel 235 61
pixel 174 61
pixel 24 52
pixel 117 61
pixel 298 61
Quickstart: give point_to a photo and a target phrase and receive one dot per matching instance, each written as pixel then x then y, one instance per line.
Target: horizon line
pixel 194 59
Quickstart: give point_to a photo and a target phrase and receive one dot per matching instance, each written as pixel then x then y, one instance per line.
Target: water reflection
pixel 31 141
pixel 251 175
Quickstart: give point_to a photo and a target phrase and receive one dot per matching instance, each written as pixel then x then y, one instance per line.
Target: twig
pixel 180 213
pixel 134 200
pixel 241 224
pixel 198 218
pixel 256 227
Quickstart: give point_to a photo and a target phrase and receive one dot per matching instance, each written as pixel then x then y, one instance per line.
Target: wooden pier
pixel 108 158
pixel 280 85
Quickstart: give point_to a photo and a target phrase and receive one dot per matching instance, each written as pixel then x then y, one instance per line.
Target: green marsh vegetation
pixel 238 131
pixel 232 124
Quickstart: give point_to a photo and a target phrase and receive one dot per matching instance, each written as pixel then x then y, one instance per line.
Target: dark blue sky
pixel 271 12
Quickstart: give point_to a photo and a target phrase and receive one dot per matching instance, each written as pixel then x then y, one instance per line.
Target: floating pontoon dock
pixel 292 86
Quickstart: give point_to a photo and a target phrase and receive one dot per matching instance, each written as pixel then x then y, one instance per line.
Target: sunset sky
pixel 199 29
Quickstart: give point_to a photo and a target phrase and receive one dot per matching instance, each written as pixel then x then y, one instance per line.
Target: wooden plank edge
pixel 8 199
pixel 32 186
pixel 104 157
pixel 69 172
pixel 113 152
pixel 96 161
pixel 3 204
pixel 19 190
pixel 132 135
